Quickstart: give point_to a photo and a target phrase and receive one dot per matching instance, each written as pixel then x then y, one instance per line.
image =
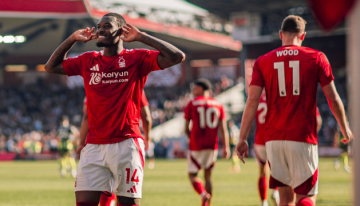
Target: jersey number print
pixel 205 117
pixel 280 66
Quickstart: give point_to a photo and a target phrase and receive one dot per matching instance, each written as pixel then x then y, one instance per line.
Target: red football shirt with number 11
pixel 290 75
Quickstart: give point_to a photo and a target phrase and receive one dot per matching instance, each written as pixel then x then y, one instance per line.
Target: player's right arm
pixel 338 110
pixel 187 128
pixel 83 130
pixel 146 123
pixel 54 64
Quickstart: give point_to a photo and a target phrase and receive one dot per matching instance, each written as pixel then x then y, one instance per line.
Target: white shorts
pixel 260 153
pixel 117 168
pixel 294 164
pixel 202 159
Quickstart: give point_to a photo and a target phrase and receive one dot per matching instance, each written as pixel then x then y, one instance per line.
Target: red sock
pixel 262 185
pixel 198 186
pixel 106 200
pixel 306 201
pixel 126 204
pixel 86 204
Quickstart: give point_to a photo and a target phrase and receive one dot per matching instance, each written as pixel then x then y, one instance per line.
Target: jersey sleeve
pixel 143 102
pixel 74 65
pixel 325 75
pixel 148 61
pixel 187 112
pixel 317 112
pixel 257 77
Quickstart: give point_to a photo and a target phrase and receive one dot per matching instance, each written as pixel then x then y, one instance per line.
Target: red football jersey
pixel 206 114
pixel 143 102
pixel 290 75
pixel 260 121
pixel 113 86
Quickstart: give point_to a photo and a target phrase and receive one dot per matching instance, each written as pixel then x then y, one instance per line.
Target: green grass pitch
pixel 38 183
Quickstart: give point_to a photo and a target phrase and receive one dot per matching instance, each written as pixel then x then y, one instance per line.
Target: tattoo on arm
pixel 169 54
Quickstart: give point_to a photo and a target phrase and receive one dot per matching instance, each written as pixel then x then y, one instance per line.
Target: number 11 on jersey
pixel 280 67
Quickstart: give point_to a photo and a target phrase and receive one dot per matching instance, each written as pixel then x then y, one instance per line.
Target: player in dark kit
pixel 113 158
pixel 290 76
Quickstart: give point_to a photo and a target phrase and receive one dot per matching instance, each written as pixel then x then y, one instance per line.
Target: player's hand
pixel 147 142
pixel 242 150
pixel 130 33
pixel 348 136
pixel 226 153
pixel 84 35
pixel 78 150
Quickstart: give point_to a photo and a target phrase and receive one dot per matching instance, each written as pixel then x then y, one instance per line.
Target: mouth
pixel 101 37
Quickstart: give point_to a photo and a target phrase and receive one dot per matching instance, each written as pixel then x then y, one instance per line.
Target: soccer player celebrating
pixel 290 75
pixel 207 116
pixel 113 158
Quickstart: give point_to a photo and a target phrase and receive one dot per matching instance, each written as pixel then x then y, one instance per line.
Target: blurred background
pixel 221 40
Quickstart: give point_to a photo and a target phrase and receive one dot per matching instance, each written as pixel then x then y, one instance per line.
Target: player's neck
pixel 113 50
pixel 289 42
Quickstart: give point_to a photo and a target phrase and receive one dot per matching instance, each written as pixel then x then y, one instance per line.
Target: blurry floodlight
pixel 20 39
pixel 16 68
pixel 228 62
pixel 201 63
pixel 8 39
pixel 40 67
pixel 1 39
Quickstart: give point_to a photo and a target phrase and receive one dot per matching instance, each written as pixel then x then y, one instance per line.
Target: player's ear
pixel 119 32
pixel 280 34
pixel 303 36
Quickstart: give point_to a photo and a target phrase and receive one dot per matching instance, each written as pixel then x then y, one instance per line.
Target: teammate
pixel 113 158
pixel 107 199
pixel 66 147
pixel 345 151
pixel 207 116
pixel 260 151
pixel 234 132
pixel 290 75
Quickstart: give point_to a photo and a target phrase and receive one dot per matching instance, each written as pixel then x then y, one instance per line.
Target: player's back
pixel 206 114
pixel 291 75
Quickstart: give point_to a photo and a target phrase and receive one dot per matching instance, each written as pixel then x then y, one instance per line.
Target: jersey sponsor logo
pixel 287 52
pixel 97 78
pixel 95 68
pixel 122 62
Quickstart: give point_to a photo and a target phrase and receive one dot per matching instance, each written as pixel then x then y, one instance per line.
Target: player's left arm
pixel 169 54
pixel 224 134
pixel 318 122
pixel 146 123
pixel 187 128
pixel 247 119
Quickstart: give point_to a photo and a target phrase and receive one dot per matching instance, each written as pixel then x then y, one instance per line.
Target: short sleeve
pixel 325 75
pixel 187 111
pixel 317 112
pixel 143 102
pixel 257 77
pixel 74 65
pixel 148 61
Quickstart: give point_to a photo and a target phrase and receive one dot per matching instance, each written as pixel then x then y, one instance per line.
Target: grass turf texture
pixel 38 183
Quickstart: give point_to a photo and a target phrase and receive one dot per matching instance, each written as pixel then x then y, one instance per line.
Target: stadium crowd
pixel 30 114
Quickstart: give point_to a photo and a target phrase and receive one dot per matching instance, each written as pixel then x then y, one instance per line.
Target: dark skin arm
pixel 187 128
pixel 146 123
pixel 169 54
pixel 54 64
pixel 83 130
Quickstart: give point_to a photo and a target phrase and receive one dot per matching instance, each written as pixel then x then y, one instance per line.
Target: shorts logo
pixel 95 78
pixel 132 190
pixel 122 62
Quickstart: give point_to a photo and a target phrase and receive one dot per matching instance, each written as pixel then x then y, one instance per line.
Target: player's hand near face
pixel 242 150
pixel 130 33
pixel 84 35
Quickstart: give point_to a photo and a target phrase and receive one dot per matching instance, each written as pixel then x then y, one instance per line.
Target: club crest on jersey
pixel 95 78
pixel 122 62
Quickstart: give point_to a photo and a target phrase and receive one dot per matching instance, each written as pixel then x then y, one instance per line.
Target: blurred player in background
pixel 207 117
pixel 66 134
pixel 107 199
pixel 338 137
pixel 113 158
pixel 290 75
pixel 234 132
pixel 260 151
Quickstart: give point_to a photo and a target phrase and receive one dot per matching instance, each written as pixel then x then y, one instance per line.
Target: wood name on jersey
pixel 286 52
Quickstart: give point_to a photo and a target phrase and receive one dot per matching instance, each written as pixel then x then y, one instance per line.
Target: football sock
pixel 262 185
pixel 86 204
pixel 198 186
pixel 235 160
pixel 306 201
pixel 345 159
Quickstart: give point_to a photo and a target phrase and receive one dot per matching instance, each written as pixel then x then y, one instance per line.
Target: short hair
pixel 293 24
pixel 120 19
pixel 204 83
